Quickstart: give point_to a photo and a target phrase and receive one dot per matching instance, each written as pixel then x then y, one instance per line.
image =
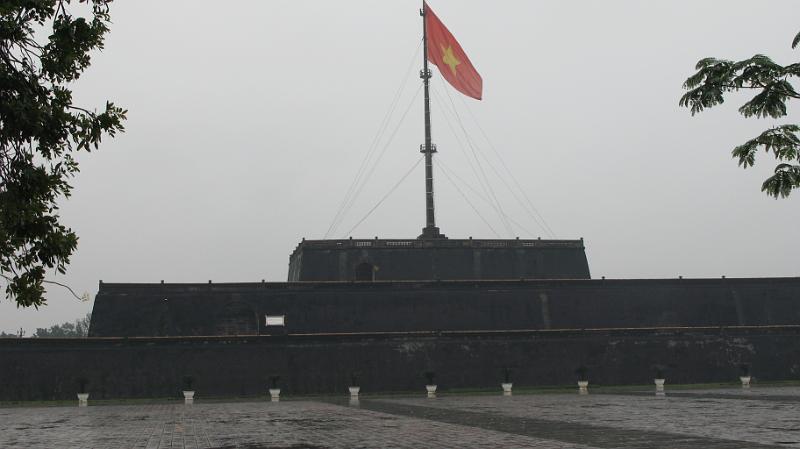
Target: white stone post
pixel 275 394
pixel 431 389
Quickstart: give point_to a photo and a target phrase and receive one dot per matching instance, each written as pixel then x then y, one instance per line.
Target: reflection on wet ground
pixel 715 418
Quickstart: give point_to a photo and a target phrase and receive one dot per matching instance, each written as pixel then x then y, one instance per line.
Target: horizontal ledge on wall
pixel 674 330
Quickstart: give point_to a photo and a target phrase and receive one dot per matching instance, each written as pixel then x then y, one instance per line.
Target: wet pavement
pixel 718 418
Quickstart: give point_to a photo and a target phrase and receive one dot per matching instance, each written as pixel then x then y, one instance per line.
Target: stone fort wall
pixel 145 310
pixel 431 259
pixel 47 369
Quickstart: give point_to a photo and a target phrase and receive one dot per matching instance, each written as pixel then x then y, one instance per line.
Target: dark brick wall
pixel 342 307
pixel 45 369
pixel 450 259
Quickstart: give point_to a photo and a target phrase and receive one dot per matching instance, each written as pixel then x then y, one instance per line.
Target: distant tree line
pixel 77 328
pixel 20 333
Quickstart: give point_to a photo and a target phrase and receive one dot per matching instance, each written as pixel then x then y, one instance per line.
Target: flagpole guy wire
pixel 411 170
pixel 529 208
pixel 359 179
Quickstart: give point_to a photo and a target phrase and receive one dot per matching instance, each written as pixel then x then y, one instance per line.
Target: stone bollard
pixel 188 389
pixel 506 384
pixel 275 394
pixel 744 374
pixel 431 389
pixel 659 384
pixel 354 381
pixel 83 396
pixel 274 388
pixel 582 373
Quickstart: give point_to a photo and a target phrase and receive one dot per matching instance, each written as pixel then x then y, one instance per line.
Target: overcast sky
pixel 248 122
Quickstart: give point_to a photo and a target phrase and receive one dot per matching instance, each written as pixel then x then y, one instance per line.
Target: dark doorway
pixel 365 272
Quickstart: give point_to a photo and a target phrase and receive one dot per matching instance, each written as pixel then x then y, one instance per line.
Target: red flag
pixel 445 53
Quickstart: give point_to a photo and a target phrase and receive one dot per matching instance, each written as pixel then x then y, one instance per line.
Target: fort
pixel 384 312
pixel 440 259
pixel 387 311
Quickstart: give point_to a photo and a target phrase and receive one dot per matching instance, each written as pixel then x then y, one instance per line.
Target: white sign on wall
pixel 275 320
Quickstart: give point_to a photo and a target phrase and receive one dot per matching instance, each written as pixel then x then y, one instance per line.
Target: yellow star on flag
pixel 449 58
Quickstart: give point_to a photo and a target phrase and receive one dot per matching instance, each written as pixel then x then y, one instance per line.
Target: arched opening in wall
pixel 237 318
pixel 365 272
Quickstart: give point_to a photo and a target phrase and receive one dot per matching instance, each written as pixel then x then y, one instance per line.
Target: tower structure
pixel 432 256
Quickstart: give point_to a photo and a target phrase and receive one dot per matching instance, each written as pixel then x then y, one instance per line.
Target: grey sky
pixel 247 123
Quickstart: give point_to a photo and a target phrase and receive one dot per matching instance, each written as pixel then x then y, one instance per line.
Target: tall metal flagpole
pixel 430 231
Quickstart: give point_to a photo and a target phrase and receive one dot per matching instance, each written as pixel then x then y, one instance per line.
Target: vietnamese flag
pixel 445 53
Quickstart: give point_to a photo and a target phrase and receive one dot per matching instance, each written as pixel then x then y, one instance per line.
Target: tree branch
pixel 79 298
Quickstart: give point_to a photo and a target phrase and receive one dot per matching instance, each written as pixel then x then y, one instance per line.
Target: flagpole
pixel 430 231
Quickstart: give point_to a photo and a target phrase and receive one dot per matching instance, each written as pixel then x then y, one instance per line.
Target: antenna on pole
pixel 430 231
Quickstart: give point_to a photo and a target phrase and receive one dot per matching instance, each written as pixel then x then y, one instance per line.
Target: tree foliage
pixel 20 334
pixel 43 49
pixel 77 328
pixel 772 82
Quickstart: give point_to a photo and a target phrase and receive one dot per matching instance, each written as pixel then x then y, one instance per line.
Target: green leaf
pixel 714 78
pixel 782 141
pixel 41 128
pixel 785 179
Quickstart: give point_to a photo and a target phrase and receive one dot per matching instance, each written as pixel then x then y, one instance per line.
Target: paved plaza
pixel 760 417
